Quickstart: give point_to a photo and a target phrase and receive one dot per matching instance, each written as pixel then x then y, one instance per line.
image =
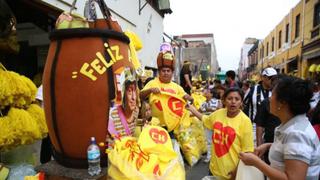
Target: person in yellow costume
pixel 163 84
pixel 232 134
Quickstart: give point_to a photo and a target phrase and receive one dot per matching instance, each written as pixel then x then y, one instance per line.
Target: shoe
pixel 209 178
pixel 206 160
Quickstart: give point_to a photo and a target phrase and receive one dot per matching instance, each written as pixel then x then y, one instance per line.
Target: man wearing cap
pixel 266 122
pixel 163 83
pixel 258 93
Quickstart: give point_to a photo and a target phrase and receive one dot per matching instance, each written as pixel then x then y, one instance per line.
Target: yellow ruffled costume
pixel 24 122
pixel 192 141
pixel 134 46
pixel 16 90
pixel 151 157
pixel 198 99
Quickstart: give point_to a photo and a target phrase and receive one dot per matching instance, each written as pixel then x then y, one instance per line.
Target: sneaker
pixel 209 178
pixel 206 160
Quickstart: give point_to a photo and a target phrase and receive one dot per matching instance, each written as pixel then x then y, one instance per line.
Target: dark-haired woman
pixel 232 134
pixel 295 152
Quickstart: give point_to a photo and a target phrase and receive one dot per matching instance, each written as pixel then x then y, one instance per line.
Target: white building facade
pixel 201 50
pixel 244 61
pixel 139 16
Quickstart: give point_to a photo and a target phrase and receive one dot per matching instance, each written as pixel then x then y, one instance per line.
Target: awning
pixel 281 65
pixel 311 55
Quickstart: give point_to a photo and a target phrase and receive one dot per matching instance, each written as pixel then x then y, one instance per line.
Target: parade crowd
pixel 272 125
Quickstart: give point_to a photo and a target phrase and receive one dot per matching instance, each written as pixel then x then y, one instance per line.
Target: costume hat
pixel 165 59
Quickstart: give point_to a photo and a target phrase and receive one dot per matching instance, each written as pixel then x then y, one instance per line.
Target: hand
pixel 233 174
pixel 187 97
pixel 260 150
pixel 191 108
pixel 249 158
pixel 155 90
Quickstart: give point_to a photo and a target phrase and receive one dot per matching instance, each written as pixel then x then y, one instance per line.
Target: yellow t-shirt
pixel 171 88
pixel 168 90
pixel 230 137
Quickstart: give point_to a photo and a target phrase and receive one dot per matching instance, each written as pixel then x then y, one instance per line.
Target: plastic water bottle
pixel 93 153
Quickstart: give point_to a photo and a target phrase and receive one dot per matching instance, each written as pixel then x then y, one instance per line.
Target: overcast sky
pixel 231 21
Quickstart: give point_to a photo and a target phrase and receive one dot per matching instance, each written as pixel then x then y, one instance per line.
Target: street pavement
pixel 198 171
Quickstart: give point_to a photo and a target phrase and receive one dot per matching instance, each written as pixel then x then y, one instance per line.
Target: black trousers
pixel 46 150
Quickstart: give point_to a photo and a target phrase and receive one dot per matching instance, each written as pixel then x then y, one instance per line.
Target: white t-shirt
pixel 314 100
pixel 296 140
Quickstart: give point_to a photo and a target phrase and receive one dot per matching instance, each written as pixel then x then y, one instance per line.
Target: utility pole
pixel 179 48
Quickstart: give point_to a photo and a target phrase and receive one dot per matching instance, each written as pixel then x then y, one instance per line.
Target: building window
pixel 297 33
pixel 287 33
pixel 272 45
pixel 316 15
pixel 280 39
pixel 267 50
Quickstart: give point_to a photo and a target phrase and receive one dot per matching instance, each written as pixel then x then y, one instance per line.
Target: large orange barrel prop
pixel 80 80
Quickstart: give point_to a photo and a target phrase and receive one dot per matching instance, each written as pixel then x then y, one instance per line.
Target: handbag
pixel 245 172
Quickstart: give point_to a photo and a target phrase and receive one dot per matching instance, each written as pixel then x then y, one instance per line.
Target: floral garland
pixel 21 122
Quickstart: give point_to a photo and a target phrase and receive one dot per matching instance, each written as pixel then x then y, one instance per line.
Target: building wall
pixel 280 56
pixel 261 55
pixel 244 60
pixel 308 23
pixel 210 52
pixel 253 60
pixel 148 25
pixel 309 28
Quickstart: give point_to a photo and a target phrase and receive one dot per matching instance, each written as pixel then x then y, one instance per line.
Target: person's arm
pixel 260 150
pixel 259 133
pixel 187 97
pixel 187 79
pixel 145 93
pixel 194 111
pixel 246 135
